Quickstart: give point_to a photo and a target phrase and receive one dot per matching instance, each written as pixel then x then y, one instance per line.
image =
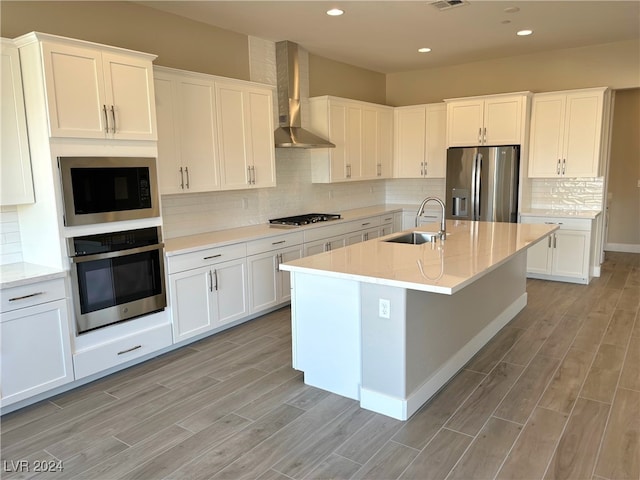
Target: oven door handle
pixel 119 253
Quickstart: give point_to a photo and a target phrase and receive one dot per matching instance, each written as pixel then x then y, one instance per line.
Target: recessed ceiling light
pixel 524 33
pixel 511 10
pixel 335 12
pixel 424 50
pixel 505 21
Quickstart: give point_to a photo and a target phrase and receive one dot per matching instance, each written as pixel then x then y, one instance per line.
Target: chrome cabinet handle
pixel 279 243
pixel 279 260
pixel 24 297
pixel 253 170
pixel 106 119
pixel 181 179
pixel 215 277
pixel 129 350
pixel 564 164
pixel 379 169
pixel 558 167
pixel 212 256
pixel 365 224
pixel 366 236
pixel 480 135
pixel 422 169
pixel 210 281
pixel 484 137
pixel 426 168
pixel 555 241
pixel 113 114
pixel 186 170
pixel 549 246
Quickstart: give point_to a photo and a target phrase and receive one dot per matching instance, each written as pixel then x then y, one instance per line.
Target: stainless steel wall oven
pixel 117 276
pixel 108 189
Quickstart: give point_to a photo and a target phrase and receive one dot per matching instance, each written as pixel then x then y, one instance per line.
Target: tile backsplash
pixel 566 193
pixel 10 245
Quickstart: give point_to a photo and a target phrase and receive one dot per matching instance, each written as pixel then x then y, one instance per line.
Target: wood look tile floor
pixel 554 395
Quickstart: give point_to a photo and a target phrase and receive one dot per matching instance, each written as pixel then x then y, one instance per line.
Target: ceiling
pixel 384 36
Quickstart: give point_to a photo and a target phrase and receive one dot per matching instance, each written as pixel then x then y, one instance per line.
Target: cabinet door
pixel 260 117
pixel 436 141
pixel 129 96
pixel 547 127
pixel 284 281
pixel 313 248
pixel 338 136
pixel 464 123
pixel 410 142
pixel 75 91
pixel 192 307
pixel 539 256
pixel 503 121
pixel 232 137
pixel 36 351
pixel 16 185
pixel 571 255
pixel 197 131
pixel 230 286
pixel 353 238
pixel 385 144
pixel 262 280
pixel 354 142
pixel 582 134
pixel 370 155
pixel 169 160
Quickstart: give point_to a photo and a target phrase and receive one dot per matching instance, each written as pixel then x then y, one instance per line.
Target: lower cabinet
pixel 565 254
pixel 209 296
pixel 270 286
pixel 35 339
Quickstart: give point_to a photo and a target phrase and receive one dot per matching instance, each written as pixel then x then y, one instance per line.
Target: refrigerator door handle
pixel 477 178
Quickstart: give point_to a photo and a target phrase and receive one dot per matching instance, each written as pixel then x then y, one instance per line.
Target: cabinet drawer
pixel 111 354
pixel 208 256
pixel 326 231
pixel 386 219
pixel 34 294
pixel 564 223
pixel 274 243
pixel 363 224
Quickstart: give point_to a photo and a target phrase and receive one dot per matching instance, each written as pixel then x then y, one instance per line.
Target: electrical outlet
pixel 384 307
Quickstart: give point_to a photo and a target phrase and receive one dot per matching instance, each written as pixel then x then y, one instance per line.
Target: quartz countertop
pixel 192 243
pixel 540 212
pixel 471 250
pixel 18 274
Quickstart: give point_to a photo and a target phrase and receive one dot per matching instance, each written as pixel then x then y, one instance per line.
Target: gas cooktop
pixel 306 219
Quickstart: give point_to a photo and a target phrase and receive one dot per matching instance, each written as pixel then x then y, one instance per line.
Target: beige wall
pixel 328 77
pixel 616 65
pixel 178 42
pixel 624 170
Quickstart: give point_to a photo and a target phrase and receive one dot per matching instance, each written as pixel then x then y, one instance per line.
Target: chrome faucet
pixel 443 226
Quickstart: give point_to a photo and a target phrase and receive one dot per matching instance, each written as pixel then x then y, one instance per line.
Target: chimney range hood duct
pixel 290 134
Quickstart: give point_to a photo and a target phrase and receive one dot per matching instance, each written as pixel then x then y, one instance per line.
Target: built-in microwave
pixel 108 189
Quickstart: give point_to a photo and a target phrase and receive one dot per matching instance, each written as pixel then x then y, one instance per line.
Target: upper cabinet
pixel 94 91
pixel 245 135
pixel 15 175
pixel 489 120
pixel 566 133
pixel 213 133
pixel 362 133
pixel 420 141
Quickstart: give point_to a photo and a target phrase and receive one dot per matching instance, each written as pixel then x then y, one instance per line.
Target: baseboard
pixel 622 247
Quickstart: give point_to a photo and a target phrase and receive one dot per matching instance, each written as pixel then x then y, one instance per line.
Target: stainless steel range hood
pixel 290 134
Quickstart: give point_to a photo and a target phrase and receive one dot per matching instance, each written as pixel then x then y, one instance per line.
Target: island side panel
pixel 325 316
pixel 441 334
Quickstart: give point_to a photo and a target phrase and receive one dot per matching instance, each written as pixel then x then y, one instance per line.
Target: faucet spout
pixel 443 225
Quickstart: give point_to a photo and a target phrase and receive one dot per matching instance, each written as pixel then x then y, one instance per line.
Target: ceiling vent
pixel 448 4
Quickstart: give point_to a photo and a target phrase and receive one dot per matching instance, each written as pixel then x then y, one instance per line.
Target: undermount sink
pixel 414 238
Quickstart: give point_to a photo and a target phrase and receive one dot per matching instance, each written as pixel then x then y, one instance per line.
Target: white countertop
pixel 18 274
pixel 192 243
pixel 472 249
pixel 539 212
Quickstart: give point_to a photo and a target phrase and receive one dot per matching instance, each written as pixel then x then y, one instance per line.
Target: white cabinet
pixel 213 133
pixel 207 289
pixel 420 141
pixel 566 133
pixel 36 351
pixel 565 254
pixel 95 91
pixel 245 135
pixel 187 145
pixel 268 285
pixel 488 120
pixel 362 133
pixel 324 245
pixel 16 185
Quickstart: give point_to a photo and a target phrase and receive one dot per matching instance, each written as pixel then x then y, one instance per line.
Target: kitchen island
pixel 389 323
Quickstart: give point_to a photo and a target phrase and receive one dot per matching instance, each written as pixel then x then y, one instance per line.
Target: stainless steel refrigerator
pixel 482 183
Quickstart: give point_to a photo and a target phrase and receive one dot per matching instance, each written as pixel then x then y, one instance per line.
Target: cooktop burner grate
pixel 306 219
